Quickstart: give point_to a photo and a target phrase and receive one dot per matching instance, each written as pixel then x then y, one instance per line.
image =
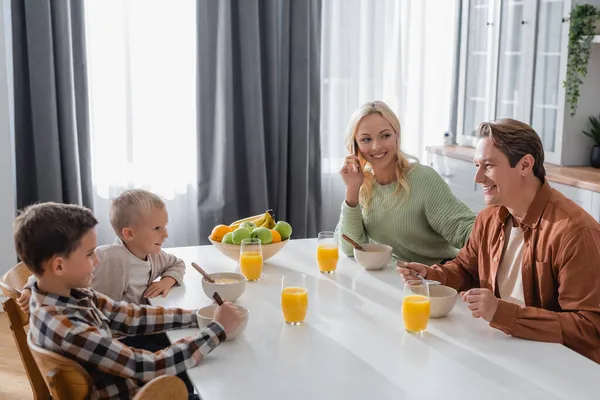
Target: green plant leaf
pixel 581 32
pixel 594 133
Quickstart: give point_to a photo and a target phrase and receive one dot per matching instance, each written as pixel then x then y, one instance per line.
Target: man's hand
pixel 161 287
pixel 482 303
pixel 408 270
pixel 23 301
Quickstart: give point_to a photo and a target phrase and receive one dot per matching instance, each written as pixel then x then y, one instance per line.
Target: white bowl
pixel 442 299
pixel 376 256
pixel 206 315
pixel 228 291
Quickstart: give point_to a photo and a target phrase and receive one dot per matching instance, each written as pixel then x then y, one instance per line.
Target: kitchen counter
pixel 581 177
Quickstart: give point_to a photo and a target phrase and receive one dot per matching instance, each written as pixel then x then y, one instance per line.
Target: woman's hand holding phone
pixel 353 179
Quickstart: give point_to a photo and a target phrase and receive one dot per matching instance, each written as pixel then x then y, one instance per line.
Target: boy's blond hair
pixel 129 205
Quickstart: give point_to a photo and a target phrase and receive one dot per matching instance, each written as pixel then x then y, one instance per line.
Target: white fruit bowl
pixel 233 250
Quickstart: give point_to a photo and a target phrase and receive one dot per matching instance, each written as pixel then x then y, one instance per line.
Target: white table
pixel 353 344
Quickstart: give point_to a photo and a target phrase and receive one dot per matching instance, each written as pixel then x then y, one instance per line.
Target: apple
pixel 240 234
pixel 248 225
pixel 284 229
pixel 263 234
pixel 228 238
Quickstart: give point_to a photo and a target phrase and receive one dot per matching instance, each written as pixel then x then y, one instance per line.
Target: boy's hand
pixel 229 316
pixel 23 301
pixel 161 287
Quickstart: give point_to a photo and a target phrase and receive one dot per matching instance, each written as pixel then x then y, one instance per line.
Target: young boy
pixel 57 242
pixel 129 267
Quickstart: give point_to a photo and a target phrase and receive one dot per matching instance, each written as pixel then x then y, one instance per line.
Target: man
pixel 531 266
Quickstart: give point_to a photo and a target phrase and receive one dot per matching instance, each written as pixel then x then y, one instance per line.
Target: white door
pixel 515 60
pixel 550 62
pixel 477 56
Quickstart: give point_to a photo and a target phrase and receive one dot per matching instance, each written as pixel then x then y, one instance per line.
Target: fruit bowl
pixel 233 250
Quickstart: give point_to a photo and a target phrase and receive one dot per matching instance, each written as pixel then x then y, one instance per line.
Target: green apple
pixel 228 238
pixel 284 229
pixel 263 234
pixel 240 234
pixel 248 225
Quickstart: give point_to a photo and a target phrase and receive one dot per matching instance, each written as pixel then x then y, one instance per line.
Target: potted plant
pixel 583 26
pixel 594 133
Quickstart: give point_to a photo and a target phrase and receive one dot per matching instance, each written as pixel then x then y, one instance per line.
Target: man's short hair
pixel 515 139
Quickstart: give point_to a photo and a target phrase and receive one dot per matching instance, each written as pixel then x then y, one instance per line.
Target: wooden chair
pixel 68 380
pixel 65 378
pixel 17 321
pixel 16 278
pixel 163 387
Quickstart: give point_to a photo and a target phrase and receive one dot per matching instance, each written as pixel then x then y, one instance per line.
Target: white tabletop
pixel 353 344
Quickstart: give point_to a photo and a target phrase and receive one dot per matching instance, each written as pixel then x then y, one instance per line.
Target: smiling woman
pixel 392 201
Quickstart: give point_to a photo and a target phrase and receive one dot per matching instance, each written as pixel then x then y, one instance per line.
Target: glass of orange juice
pixel 415 306
pixel 294 298
pixel 327 252
pixel 251 259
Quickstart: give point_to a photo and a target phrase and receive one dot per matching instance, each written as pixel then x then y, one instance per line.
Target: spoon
pixel 203 272
pixel 415 273
pixel 218 298
pixel 353 243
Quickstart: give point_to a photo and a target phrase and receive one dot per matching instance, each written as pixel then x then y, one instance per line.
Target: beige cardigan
pixel 111 277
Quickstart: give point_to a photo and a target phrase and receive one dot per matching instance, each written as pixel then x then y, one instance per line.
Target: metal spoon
pixel 415 273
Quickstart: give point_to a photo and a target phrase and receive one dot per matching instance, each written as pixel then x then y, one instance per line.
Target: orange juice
pixel 415 311
pixel 327 257
pixel 294 303
pixel 251 264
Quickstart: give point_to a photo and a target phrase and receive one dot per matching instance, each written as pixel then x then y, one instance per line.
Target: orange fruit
pixel 276 236
pixel 218 232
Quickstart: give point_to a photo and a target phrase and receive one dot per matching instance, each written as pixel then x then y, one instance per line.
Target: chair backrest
pixel 17 277
pixel 17 322
pixel 8 290
pixel 163 387
pixel 66 379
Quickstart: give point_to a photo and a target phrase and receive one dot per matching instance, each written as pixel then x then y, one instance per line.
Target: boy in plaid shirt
pixel 57 242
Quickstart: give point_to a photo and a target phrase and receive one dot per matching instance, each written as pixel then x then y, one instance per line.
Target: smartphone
pixel 355 152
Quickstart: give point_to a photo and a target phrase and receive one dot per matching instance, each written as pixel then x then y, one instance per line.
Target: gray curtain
pixel 51 115
pixel 259 111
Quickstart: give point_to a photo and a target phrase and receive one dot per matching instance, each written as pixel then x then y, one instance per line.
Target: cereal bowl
pixel 442 299
pixel 375 257
pixel 206 315
pixel 229 285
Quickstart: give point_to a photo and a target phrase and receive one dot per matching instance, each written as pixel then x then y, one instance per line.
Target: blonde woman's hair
pixel 402 160
pixel 128 206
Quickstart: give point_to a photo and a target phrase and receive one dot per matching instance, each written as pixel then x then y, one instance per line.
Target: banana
pixel 262 220
pixel 252 218
pixel 265 219
pixel 268 223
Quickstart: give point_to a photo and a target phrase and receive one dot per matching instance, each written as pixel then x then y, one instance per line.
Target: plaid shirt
pixel 81 327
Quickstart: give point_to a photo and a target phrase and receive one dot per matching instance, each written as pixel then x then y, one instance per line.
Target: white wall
pixel 576 147
pixel 7 165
